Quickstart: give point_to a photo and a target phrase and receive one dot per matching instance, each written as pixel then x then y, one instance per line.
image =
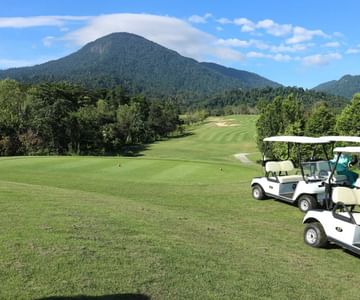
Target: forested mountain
pixel 251 80
pixel 140 66
pixel 346 86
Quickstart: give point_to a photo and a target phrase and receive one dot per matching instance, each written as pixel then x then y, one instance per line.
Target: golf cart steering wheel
pixel 323 173
pixel 353 162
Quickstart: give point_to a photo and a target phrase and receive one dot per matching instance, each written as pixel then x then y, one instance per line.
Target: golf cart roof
pixel 296 139
pixel 342 138
pixel 347 149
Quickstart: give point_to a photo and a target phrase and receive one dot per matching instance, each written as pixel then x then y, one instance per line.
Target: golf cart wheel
pixel 258 192
pixel 306 203
pixel 314 235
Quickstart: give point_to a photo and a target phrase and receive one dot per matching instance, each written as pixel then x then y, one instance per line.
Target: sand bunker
pixel 243 158
pixel 225 124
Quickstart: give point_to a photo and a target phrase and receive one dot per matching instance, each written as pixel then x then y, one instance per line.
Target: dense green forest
pixel 289 116
pixel 245 101
pixel 62 118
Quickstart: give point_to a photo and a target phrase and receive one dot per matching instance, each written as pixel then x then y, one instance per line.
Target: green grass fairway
pixel 176 223
pixel 217 140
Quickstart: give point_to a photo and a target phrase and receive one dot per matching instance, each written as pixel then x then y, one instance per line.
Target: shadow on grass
pixel 104 297
pixel 136 150
pixel 181 135
pixel 332 246
pixel 133 150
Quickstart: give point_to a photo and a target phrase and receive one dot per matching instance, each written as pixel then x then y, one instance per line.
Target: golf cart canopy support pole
pixel 288 152
pixel 300 165
pixel 328 190
pixel 326 155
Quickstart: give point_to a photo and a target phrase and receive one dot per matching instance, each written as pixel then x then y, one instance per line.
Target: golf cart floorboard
pixel 287 195
pixel 281 197
pixel 353 248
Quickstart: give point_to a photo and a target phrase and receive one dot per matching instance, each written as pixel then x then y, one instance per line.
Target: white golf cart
pixel 306 189
pixel 340 222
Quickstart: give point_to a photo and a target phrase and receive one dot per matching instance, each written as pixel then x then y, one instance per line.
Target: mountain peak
pixel 346 86
pixel 139 65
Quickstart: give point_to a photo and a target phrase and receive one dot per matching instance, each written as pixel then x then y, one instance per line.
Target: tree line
pixel 244 101
pixel 63 118
pixel 288 116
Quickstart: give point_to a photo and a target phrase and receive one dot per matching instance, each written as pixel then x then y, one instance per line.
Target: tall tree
pixel 321 121
pixel 348 121
pixel 12 116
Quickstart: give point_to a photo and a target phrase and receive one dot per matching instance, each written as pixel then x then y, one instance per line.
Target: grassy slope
pixel 211 142
pixel 170 224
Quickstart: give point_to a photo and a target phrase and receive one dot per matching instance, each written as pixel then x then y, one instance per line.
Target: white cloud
pixel 233 43
pixel 259 44
pixel 301 34
pixel 268 25
pixel 181 36
pixel 228 54
pixel 242 43
pixel 291 48
pixel 24 22
pixel 281 57
pixel 243 21
pixel 248 28
pixel 352 51
pixel 246 24
pixel 200 19
pixel 224 21
pixel 338 34
pixel 274 28
pixel 277 57
pixel 332 45
pixel 170 32
pixel 320 59
pixel 254 54
pixel 48 40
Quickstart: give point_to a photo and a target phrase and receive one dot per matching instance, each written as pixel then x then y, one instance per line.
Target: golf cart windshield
pixel 316 170
pixel 340 152
pixel 311 170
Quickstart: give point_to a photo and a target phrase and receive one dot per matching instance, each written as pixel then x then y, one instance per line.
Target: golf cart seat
pixel 277 168
pixel 346 195
pixel 339 178
pixel 349 197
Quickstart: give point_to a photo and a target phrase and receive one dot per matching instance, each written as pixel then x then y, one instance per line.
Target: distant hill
pixel 346 86
pixel 251 80
pixel 140 66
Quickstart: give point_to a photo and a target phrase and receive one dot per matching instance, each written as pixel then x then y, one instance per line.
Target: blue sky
pixel 297 43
